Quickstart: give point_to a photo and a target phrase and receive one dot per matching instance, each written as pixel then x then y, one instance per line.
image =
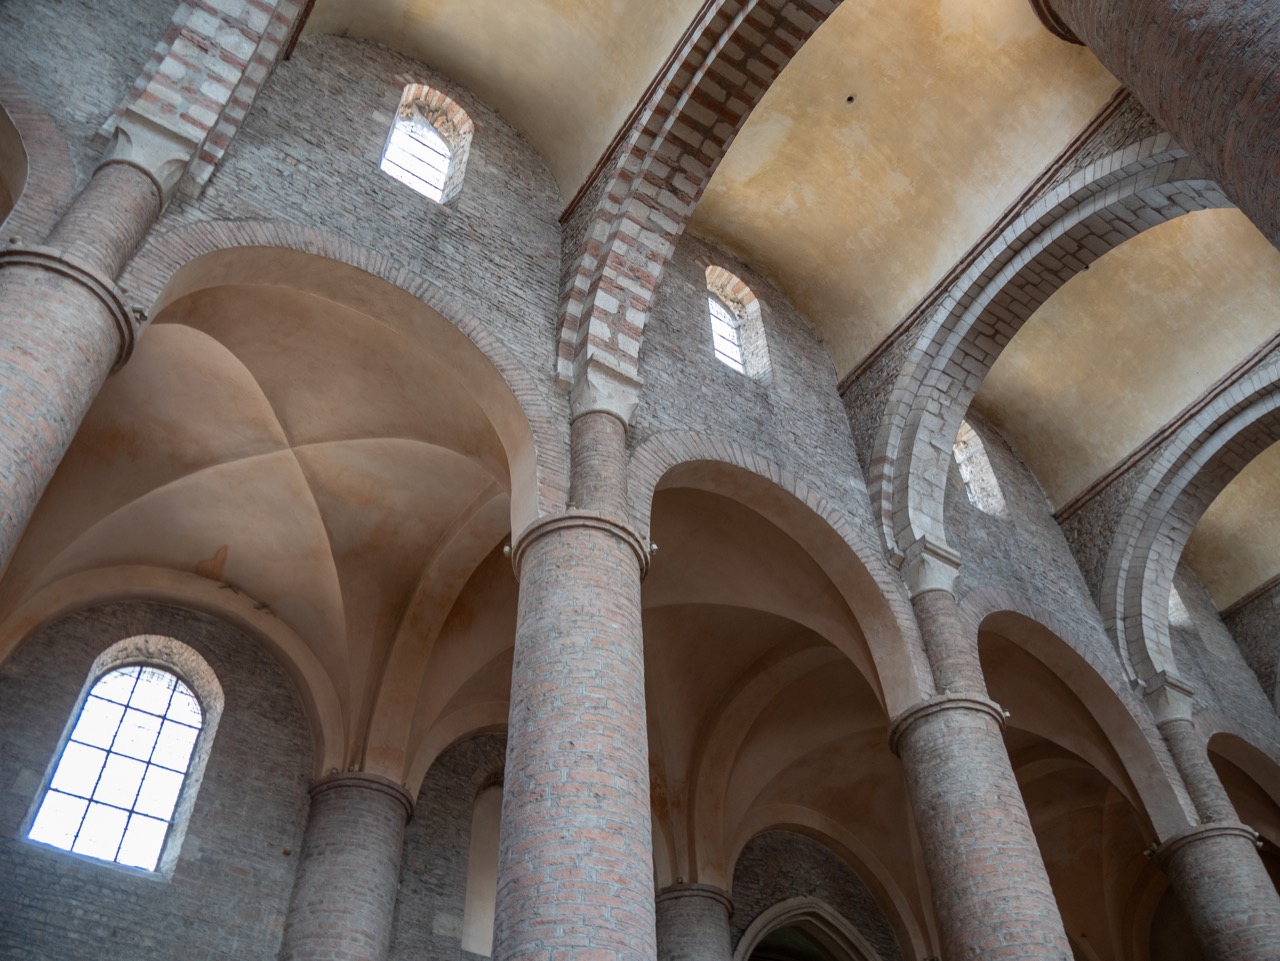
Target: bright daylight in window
pixel 117 781
pixel 726 336
pixel 418 157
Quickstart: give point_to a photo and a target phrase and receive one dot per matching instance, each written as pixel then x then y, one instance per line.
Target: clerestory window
pixel 737 330
pixel 124 781
pixel 117 780
pixel 726 338
pixel 428 145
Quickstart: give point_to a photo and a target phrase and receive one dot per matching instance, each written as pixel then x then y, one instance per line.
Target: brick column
pixel 1214 866
pixel 575 873
pixel 693 923
pixel 991 893
pixel 344 897
pixel 1208 70
pixel 64 326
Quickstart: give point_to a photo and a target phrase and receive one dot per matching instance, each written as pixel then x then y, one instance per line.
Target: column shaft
pixel 991 892
pixel 1215 869
pixel 63 329
pixel 1209 71
pixel 693 924
pixel 344 897
pixel 575 874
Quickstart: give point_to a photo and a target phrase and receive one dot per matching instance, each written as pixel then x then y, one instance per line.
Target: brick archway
pixel 50 175
pixel 163 255
pixel 1197 463
pixel 622 228
pixel 1091 213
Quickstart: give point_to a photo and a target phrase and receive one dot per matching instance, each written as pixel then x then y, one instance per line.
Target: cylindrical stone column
pixel 63 328
pixel 1214 867
pixel 991 893
pixel 693 923
pixel 575 872
pixel 1208 70
pixel 344 897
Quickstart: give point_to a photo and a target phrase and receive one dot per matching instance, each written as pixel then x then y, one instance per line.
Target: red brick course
pixel 1225 890
pixel 624 225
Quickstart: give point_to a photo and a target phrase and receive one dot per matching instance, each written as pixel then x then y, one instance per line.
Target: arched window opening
pixel 482 873
pixel 979 478
pixel 123 783
pixel 428 144
pixel 737 330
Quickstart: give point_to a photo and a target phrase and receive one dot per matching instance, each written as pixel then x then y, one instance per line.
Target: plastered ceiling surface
pixel 1233 548
pixel 565 73
pixel 1121 348
pixel 856 209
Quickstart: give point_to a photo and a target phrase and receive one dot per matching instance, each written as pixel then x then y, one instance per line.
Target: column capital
pixel 936 705
pixel 364 781
pixel 157 151
pixel 600 386
pixel 579 519
pixel 1169 697
pixel 127 320
pixel 679 890
pixel 930 565
pixel 1164 850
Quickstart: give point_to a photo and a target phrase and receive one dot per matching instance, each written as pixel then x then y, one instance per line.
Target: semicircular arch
pixel 1098 685
pixel 1193 468
pixel 1093 211
pixel 89 588
pixel 856 566
pixel 888 893
pixel 36 168
pixel 197 256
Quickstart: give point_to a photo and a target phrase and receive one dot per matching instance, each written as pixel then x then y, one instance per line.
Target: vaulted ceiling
pixel 893 140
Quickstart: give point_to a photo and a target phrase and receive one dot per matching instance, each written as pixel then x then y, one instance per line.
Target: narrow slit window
pixel 118 778
pixel 726 337
pixel 428 145
pixel 737 328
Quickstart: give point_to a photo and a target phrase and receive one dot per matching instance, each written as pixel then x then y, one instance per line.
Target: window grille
pixel 120 773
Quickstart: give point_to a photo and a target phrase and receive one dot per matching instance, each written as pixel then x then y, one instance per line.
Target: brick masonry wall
pixel 231 886
pixel 1023 552
pixel 779 865
pixel 79 58
pixel 1255 626
pixel 433 878
pixel 1208 656
pixel 795 419
pixel 308 153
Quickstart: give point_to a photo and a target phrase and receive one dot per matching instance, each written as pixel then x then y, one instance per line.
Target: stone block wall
pixel 234 875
